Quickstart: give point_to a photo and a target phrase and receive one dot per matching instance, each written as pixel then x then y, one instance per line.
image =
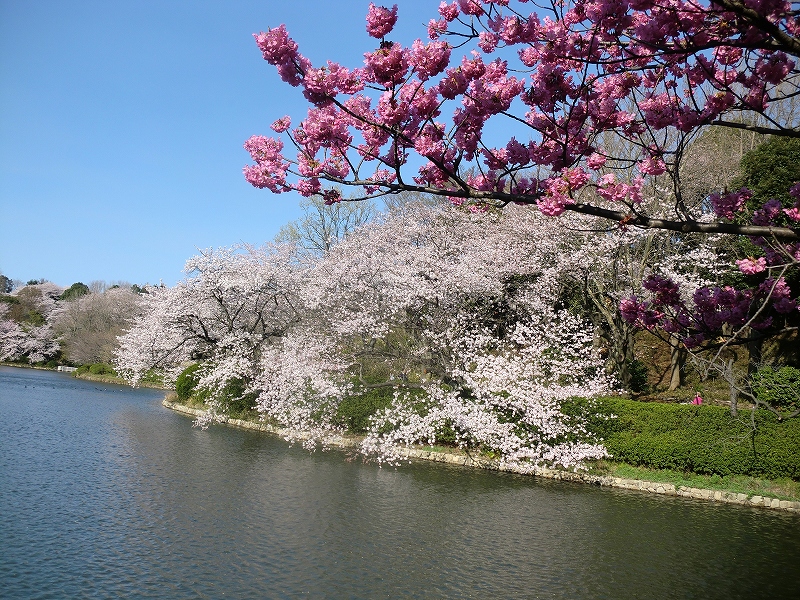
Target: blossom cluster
pixel 593 67
pixel 585 89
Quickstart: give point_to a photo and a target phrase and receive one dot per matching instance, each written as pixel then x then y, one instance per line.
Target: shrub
pixel 638 371
pixel 75 291
pixel 354 411
pixel 101 369
pixel 700 439
pixel 186 382
pixel 235 401
pixel 780 388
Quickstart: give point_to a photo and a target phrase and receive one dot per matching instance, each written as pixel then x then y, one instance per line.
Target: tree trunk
pixel 677 357
pixel 620 352
pixel 754 350
pixel 734 393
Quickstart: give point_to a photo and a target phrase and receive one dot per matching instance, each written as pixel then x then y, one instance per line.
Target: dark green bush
pixel 75 291
pixel 186 382
pixel 235 401
pixel 779 388
pixel 700 439
pixel 355 411
pixel 638 371
pixel 233 398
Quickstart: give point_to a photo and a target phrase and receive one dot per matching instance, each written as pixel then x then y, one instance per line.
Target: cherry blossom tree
pixel 456 303
pixel 650 72
pixel 552 106
pixel 505 396
pixel 461 304
pixel 26 331
pixel 233 303
pixel 394 288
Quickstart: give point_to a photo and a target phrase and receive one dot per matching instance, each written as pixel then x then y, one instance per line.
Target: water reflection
pixel 104 493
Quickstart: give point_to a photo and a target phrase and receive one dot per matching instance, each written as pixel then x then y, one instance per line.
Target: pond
pixel 104 493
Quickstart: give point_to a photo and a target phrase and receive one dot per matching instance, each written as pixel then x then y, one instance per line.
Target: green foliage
pixel 75 291
pixel 354 411
pixel 770 170
pixel 233 398
pixel 638 371
pixel 96 369
pixel 35 318
pixel 6 285
pixel 234 401
pixel 447 434
pixel 186 382
pixel 701 439
pixel 779 388
pixel 153 377
pixel 101 369
pixel 9 299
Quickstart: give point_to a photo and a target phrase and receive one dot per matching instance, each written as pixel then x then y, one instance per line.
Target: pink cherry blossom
pixel 448 11
pixel 727 205
pixel 591 107
pixel 380 20
pixel 751 266
pixel 652 166
pixel 428 60
pixel 281 124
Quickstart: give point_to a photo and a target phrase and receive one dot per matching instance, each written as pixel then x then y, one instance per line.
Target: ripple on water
pixel 103 493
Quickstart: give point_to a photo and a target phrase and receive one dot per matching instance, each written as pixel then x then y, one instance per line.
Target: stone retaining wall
pixel 668 489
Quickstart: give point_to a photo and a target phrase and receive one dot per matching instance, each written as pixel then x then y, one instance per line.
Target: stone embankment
pixel 667 489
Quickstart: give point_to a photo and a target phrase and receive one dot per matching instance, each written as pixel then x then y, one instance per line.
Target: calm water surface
pixel 104 493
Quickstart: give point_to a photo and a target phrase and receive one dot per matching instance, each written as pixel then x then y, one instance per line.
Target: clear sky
pixel 122 124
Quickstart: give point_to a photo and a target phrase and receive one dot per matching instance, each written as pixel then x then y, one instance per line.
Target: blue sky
pixel 122 123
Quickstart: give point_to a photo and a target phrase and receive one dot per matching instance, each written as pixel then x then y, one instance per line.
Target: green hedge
pixel 700 439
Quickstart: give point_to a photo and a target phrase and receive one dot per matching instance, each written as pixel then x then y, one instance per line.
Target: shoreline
pixel 117 381
pixel 88 376
pixel 666 489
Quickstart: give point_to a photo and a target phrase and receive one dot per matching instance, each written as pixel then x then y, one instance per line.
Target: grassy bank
pixel 104 373
pixel 784 489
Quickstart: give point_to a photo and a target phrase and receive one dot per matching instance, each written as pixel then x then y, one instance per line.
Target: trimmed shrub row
pixel 700 439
